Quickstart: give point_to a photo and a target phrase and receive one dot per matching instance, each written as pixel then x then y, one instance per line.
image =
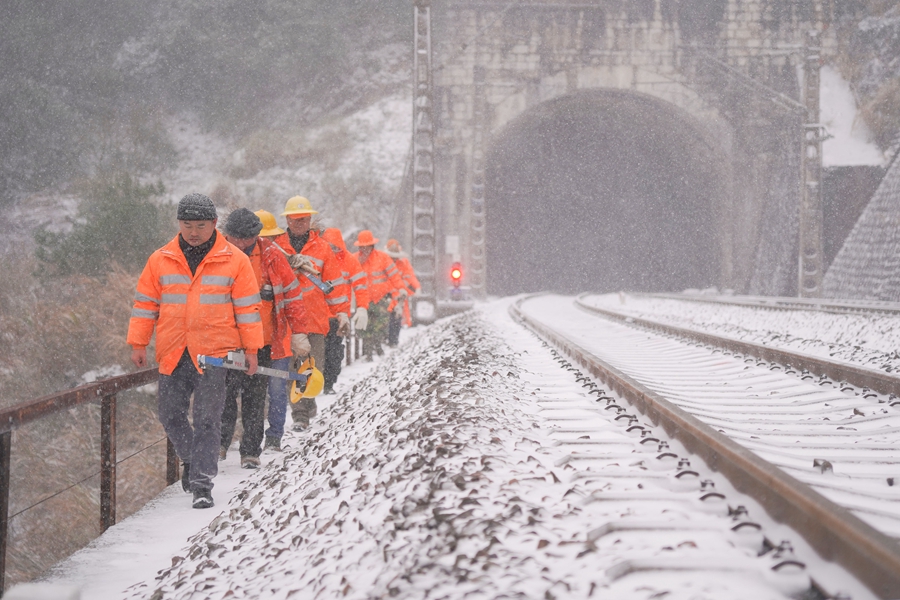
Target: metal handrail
pixel 105 391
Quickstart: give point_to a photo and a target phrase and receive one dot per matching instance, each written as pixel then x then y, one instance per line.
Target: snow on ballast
pixel 471 465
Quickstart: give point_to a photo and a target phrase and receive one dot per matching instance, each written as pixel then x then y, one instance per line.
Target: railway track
pixel 785 303
pixel 817 457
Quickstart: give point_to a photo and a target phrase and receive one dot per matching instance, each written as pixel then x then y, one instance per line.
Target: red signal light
pixel 456 274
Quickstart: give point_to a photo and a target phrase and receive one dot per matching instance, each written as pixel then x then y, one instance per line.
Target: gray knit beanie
pixel 243 224
pixel 196 207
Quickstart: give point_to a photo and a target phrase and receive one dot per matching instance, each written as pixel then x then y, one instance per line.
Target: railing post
pixel 171 463
pixel 348 345
pixel 5 450
pixel 108 462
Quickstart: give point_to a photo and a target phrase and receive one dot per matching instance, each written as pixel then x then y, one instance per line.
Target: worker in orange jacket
pixel 285 331
pixel 310 255
pixel 401 315
pixel 357 281
pixel 385 284
pixel 200 294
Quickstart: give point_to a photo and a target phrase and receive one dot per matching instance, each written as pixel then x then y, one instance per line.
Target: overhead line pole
pixel 811 264
pixel 424 235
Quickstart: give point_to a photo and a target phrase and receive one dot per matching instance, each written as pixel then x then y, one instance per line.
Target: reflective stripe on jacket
pixel 319 307
pixel 211 312
pixel 408 275
pixel 285 313
pixel 384 278
pixel 353 272
pixel 412 284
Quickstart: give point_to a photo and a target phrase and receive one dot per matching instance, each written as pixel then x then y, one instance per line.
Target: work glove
pixel 343 324
pixel 301 262
pixel 300 345
pixel 361 318
pixel 403 293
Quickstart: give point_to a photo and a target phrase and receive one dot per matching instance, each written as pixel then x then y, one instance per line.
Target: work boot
pixel 185 476
pixel 301 418
pixel 328 391
pixel 249 462
pixel 203 499
pixel 273 443
pixel 222 452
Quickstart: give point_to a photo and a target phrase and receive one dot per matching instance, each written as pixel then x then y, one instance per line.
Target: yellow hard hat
pixel 270 227
pixel 298 205
pixel 315 382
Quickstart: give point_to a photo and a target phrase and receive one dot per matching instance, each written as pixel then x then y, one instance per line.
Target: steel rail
pixel 833 531
pixel 877 381
pixel 785 303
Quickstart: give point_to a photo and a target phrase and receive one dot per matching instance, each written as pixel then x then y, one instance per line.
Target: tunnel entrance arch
pixel 604 189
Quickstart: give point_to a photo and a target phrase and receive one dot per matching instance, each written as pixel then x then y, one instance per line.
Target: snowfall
pixel 434 472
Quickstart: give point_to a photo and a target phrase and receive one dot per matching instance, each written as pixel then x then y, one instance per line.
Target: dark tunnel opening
pixel 599 191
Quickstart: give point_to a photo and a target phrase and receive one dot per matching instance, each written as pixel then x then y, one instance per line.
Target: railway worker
pixel 385 285
pixel 200 294
pixel 356 279
pixel 310 255
pixel 285 331
pixel 401 316
pixel 278 388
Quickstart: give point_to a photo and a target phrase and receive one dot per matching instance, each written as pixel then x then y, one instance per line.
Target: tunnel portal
pixel 602 190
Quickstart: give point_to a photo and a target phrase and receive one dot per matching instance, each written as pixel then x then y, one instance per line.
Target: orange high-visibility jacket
pixel 353 272
pixel 408 275
pixel 284 314
pixel 211 312
pixel 319 307
pixel 384 278
pixel 412 284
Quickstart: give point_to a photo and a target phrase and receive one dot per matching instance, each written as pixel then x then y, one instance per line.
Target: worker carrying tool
pixel 201 296
pixel 385 284
pixel 306 381
pixel 309 254
pixel 285 334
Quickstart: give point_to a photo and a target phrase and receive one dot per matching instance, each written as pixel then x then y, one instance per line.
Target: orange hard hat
pixel 333 236
pixel 366 238
pixel 393 249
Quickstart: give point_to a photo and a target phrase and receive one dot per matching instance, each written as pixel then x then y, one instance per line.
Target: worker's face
pixel 197 232
pixel 364 252
pixel 242 243
pixel 299 224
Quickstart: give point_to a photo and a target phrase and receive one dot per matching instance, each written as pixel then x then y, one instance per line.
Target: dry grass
pixel 54 331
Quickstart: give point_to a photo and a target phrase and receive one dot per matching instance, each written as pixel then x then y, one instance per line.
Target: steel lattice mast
pixel 811 263
pixel 423 247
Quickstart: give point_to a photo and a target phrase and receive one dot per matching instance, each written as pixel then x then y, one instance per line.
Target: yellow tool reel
pixel 315 382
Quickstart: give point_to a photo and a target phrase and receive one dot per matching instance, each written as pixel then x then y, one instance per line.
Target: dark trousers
pixel 334 354
pixel 197 443
pixel 396 321
pixel 376 332
pixel 306 408
pixel 252 390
